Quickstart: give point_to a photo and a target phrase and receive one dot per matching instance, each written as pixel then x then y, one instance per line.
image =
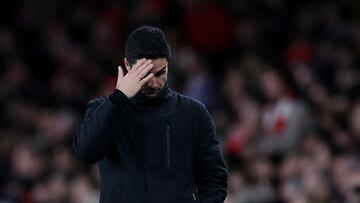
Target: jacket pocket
pixel 174 153
pixel 168 146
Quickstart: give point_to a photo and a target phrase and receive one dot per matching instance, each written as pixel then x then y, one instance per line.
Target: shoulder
pixel 196 110
pixel 97 101
pixel 93 104
pixel 196 106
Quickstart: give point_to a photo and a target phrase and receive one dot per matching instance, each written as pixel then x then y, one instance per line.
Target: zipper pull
pixel 194 196
pixel 167 129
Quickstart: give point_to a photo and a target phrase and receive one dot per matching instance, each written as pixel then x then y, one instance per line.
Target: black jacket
pixel 153 150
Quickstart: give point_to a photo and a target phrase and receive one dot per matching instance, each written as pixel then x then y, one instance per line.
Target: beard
pixel 151 92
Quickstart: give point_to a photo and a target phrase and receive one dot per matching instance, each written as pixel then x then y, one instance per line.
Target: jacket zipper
pixel 168 146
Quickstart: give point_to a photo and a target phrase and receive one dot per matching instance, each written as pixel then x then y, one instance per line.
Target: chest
pixel 171 137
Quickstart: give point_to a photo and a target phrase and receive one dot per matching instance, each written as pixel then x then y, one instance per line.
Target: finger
pixel 146 70
pixel 143 66
pixel 137 65
pixel 120 75
pixel 146 79
pixel 120 72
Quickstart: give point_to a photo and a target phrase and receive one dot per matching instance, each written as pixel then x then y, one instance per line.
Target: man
pixel 153 144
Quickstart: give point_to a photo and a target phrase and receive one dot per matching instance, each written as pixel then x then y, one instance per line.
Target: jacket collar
pixel 140 99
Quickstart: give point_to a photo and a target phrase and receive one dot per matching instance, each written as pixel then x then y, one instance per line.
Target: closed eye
pixel 157 74
pixel 160 72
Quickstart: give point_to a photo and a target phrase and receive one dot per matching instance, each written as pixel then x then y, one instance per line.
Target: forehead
pixel 159 63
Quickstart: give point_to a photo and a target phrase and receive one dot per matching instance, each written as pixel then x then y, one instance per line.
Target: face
pixel 157 82
pixel 272 85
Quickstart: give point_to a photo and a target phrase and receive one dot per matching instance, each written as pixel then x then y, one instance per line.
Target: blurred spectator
pixel 284 119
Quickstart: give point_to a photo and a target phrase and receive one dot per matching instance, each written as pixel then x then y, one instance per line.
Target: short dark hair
pixel 146 42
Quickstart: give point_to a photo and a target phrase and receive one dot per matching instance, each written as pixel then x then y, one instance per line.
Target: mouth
pixel 150 92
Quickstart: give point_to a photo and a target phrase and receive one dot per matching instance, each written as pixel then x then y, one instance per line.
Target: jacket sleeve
pixel 98 126
pixel 211 172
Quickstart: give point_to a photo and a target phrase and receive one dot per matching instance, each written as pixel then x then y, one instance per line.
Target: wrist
pixel 124 92
pixel 118 97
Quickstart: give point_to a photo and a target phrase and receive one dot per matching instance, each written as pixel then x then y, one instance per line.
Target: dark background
pixel 280 78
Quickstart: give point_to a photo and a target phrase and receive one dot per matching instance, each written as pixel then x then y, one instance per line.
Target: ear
pixel 127 64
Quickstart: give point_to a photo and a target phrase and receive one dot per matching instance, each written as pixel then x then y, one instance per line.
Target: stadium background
pixel 281 79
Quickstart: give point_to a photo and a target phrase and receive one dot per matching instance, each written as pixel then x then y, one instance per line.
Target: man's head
pixel 272 84
pixel 150 43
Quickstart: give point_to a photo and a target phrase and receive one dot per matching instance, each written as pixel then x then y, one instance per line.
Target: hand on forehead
pixel 158 64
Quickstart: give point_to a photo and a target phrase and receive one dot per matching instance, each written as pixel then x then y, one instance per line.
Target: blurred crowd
pixel 280 78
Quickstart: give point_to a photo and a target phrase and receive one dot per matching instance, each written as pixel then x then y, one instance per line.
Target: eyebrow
pixel 160 71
